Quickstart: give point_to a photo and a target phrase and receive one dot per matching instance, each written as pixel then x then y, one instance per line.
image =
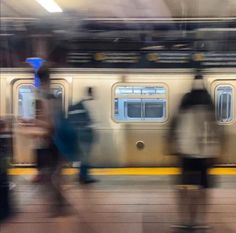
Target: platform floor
pixel 116 204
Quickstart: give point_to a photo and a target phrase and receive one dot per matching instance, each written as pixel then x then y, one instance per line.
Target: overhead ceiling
pixel 124 8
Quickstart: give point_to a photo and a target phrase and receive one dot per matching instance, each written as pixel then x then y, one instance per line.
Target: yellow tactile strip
pixel 125 171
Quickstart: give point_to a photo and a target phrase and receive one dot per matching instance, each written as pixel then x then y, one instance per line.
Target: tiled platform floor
pixel 117 204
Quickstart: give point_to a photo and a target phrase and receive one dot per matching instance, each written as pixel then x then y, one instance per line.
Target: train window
pixel 224 109
pixel 140 103
pixel 154 109
pixel 134 109
pixel 26 101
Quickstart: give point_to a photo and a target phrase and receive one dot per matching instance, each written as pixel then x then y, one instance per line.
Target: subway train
pixel 131 111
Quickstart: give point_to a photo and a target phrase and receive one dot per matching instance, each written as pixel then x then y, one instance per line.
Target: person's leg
pixel 202 213
pixel 204 194
pixel 182 203
pixel 43 162
pixel 194 189
pixel 190 194
pixel 39 165
pixel 57 195
pixel 83 175
pixel 55 181
pixel 193 204
pixel 182 195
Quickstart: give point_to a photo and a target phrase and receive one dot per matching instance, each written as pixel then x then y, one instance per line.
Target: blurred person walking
pixel 48 159
pixel 79 116
pixel 196 139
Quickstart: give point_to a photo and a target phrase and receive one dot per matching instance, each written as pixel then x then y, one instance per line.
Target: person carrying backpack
pixel 79 117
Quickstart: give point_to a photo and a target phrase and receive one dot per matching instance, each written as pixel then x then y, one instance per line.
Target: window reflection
pixel 26 101
pixel 224 111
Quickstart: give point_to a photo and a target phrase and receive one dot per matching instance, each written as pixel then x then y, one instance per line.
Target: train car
pixel 131 111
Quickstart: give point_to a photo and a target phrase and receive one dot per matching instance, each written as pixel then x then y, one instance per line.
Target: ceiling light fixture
pixel 50 5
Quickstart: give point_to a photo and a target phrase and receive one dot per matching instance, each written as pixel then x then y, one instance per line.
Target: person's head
pixel 198 82
pixel 89 92
pixel 44 77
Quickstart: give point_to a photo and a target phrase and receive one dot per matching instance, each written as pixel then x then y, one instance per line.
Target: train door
pixel 24 107
pixel 143 110
pixel 223 93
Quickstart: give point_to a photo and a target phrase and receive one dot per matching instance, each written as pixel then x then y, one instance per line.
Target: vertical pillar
pixel 40 46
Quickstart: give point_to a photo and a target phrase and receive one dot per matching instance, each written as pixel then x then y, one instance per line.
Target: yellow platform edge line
pixel 123 171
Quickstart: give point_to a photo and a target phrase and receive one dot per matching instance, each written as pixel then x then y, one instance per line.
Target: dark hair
pixel 44 74
pixel 198 77
pixel 90 91
pixel 198 74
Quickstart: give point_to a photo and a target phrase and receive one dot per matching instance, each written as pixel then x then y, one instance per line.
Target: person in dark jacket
pixel 79 116
pixel 196 139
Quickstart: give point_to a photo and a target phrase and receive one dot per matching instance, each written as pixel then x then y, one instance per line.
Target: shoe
pixel 88 181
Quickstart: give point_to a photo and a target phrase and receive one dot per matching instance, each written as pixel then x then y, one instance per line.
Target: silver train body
pixel 131 112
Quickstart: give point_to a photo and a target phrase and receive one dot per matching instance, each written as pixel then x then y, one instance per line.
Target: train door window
pixel 26 101
pixel 224 105
pixel 139 103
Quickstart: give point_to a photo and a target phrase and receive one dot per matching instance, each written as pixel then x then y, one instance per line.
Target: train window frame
pixel 231 114
pixel 54 85
pixel 161 95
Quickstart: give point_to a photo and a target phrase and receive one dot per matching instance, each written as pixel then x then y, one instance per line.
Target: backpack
pixel 79 117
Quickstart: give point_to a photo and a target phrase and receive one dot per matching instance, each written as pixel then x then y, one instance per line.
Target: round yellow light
pixel 198 57
pixel 152 57
pixel 100 56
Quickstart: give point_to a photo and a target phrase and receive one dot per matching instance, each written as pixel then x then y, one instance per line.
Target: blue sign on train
pixel 36 63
